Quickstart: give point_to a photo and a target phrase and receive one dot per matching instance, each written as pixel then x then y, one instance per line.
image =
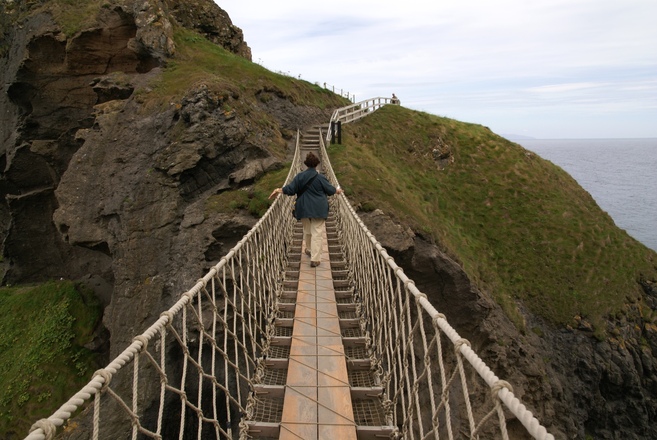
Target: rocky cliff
pixel 581 386
pixel 103 183
pixel 106 182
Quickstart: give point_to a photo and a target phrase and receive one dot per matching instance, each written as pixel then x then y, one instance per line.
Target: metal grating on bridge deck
pixel 319 381
pixel 317 396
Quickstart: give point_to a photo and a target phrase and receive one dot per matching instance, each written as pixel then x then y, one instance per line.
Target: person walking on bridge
pixel 311 189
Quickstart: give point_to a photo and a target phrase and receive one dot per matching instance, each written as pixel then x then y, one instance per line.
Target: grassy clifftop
pixel 43 330
pixel 521 227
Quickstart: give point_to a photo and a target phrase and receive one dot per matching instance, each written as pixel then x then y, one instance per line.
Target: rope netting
pixel 203 351
pixel 428 384
pixel 190 374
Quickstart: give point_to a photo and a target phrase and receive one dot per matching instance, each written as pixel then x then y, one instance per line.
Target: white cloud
pixel 567 87
pixel 477 60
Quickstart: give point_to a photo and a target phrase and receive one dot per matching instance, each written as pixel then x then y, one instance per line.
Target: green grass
pixel 237 84
pixel 75 15
pixel 199 60
pixel 253 199
pixel 42 358
pixel 521 228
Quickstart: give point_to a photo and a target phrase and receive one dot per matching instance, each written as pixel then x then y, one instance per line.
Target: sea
pixel 620 175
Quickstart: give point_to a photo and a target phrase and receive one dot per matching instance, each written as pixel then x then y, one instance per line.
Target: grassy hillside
pixel 42 359
pixel 198 59
pixel 238 84
pixel 521 227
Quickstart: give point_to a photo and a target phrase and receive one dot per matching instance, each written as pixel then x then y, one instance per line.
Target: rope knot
pixel 497 387
pixel 106 375
pixel 143 340
pixel 49 428
pixel 439 316
pixel 462 341
pixel 409 281
pixel 169 316
pixel 427 360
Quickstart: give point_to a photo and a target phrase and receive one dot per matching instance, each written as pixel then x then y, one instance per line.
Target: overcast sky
pixel 539 68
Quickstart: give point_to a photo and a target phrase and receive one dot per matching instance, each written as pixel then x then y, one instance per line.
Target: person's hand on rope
pixel 276 192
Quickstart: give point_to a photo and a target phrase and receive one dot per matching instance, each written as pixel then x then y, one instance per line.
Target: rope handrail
pixel 253 286
pixel 208 349
pixel 394 275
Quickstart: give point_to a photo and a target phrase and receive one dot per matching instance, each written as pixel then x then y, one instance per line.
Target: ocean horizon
pixel 619 173
pixel 516 137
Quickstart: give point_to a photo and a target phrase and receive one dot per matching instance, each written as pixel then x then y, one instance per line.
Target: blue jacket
pixel 313 203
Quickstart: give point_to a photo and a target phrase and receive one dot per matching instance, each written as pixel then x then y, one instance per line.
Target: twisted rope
pixel 227 313
pixel 405 375
pixel 237 295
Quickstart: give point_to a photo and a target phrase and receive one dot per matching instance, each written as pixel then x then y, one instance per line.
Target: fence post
pixel 336 132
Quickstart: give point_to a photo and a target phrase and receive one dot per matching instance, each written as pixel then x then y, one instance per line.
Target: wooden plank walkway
pixel 317 404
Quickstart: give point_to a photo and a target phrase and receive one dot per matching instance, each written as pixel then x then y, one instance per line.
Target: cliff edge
pixel 125 122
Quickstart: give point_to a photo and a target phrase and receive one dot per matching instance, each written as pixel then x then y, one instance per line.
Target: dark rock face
pixel 211 21
pixel 578 386
pixel 48 100
pixel 100 190
pixel 96 188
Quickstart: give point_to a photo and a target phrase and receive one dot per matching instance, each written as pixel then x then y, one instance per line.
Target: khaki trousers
pixel 312 236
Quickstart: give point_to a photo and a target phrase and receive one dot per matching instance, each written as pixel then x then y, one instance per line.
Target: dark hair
pixel 311 160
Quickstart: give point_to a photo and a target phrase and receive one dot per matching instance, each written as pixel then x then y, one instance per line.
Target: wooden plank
pixel 263 429
pixel 365 392
pixel 273 391
pixel 317 401
pixel 374 432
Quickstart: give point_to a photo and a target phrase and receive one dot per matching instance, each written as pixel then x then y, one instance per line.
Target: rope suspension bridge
pixel 264 346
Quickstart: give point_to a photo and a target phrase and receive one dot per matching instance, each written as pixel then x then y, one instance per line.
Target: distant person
pixel 395 100
pixel 311 189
